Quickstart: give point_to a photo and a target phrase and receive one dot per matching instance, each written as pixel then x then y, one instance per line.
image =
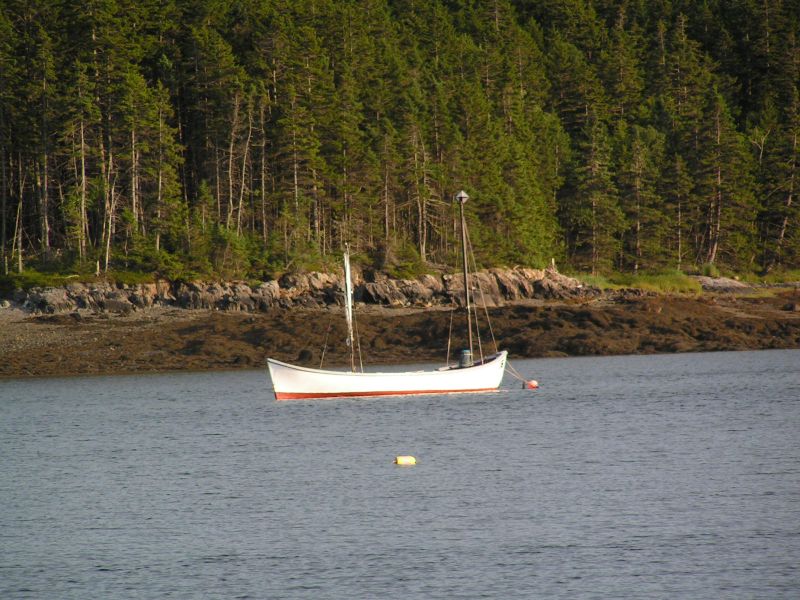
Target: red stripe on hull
pixel 304 396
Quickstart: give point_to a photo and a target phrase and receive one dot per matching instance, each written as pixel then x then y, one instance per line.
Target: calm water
pixel 626 477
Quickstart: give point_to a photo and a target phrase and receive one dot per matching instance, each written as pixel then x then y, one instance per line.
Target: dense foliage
pixel 244 137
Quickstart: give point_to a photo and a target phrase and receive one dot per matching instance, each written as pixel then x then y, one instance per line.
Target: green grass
pixel 31 278
pixel 129 277
pixel 790 276
pixel 709 270
pixel 666 282
pixel 598 281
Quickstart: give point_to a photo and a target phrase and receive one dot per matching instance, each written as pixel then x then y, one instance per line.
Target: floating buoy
pixel 405 461
pixel 531 384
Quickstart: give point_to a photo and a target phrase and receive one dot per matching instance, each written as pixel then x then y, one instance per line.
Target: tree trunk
pixel 3 201
pixel 386 205
pixel 18 223
pixel 595 253
pixel 134 182
pixel 639 169
pixel 218 184
pixel 715 210
pixel 231 146
pixel 262 118
pixel 317 225
pixel 18 235
pixel 244 170
pixel 84 225
pixel 680 236
pixel 44 183
pixel 638 233
pixel 421 202
pixel 159 178
pixel 716 221
pixel 44 205
pixel 112 208
pixel 109 201
pixel 789 199
pixel 345 196
pixel 295 172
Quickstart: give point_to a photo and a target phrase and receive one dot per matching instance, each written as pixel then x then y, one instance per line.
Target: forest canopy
pixel 240 138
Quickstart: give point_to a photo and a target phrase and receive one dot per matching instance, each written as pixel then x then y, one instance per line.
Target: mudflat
pixel 173 339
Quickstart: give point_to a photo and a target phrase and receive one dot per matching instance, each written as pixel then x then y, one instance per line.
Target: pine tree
pixel 641 155
pixel 260 134
pixel 577 93
pixel 622 70
pixel 781 214
pixel 81 119
pixel 677 191
pixel 593 217
pixel 7 112
pixel 725 184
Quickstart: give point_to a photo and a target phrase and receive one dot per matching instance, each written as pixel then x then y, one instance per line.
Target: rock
pixel 513 285
pixel 116 305
pixel 486 291
pixel 383 292
pixel 4 303
pixel 434 284
pixel 238 297
pixel 266 294
pixel 554 285
pixel 294 283
pixel 164 293
pixel 49 300
pixel 721 284
pixel 320 282
pixel 143 295
pixel 454 288
pixel 415 292
pixel 492 287
pixel 199 295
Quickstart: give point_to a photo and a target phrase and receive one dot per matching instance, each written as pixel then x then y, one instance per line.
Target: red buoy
pixel 531 384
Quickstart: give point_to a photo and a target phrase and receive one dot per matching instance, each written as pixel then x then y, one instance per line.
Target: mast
pixel 462 199
pixel 348 306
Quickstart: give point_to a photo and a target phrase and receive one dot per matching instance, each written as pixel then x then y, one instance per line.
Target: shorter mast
pixel 348 307
pixel 462 199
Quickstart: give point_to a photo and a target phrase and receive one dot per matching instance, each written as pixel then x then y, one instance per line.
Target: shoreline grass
pixel 666 282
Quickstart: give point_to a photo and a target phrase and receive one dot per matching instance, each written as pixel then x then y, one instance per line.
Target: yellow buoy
pixel 405 461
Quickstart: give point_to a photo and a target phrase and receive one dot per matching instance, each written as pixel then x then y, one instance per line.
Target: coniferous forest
pixel 240 138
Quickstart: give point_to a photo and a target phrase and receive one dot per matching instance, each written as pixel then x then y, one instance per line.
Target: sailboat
pixel 292 382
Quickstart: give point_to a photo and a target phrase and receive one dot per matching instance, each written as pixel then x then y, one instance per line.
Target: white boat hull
pixel 291 382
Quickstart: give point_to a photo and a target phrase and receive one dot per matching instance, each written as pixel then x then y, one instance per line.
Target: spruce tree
pixel 593 217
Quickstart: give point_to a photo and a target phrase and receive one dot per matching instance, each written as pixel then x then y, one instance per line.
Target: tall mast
pixel 348 307
pixel 462 200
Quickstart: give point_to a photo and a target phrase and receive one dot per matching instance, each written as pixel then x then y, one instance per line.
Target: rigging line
pixel 449 336
pixel 475 308
pixel 325 345
pixel 488 321
pixel 358 342
pixel 485 307
pixel 467 245
pixel 483 299
pixel 478 333
pixel 514 373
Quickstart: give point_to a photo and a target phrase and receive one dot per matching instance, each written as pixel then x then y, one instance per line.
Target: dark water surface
pixel 626 477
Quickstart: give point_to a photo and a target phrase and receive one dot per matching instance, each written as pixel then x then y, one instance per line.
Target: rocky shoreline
pixel 103 328
pixel 494 287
